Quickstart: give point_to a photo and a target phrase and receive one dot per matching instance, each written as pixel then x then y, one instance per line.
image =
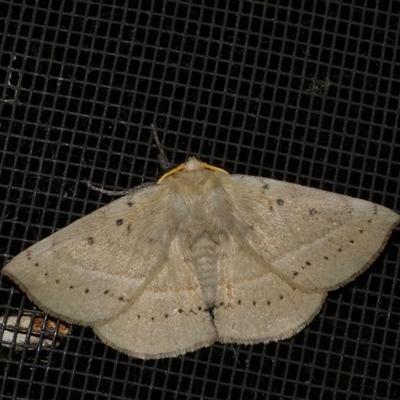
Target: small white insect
pixel 31 330
pixel 200 257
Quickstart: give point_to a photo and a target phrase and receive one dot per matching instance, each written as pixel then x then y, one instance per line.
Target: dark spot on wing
pixel 120 298
pixel 199 308
pixel 57 281
pixel 268 303
pixel 106 291
pixel 36 264
pixel 339 249
pixel 281 297
pixel 86 290
pixel 46 274
pixel 180 311
pixel 308 263
pixel 138 316
pixel 280 202
pixel 295 273
pixel 254 303
pixel 152 318
pixel 71 287
pixel 326 258
pixel 90 240
pixel 369 221
pixel 361 231
pixel 166 316
pixel 119 222
pixel 312 211
pixel 239 301
pixel 351 241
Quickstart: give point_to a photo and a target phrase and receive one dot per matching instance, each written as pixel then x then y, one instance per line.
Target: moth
pixel 202 257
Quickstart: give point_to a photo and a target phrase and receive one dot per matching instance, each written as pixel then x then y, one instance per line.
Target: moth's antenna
pixel 162 157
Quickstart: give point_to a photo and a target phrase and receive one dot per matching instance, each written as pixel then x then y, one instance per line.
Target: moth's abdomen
pixel 204 253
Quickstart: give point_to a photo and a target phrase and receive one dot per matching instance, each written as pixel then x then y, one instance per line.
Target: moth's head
pixel 193 171
pixel 193 164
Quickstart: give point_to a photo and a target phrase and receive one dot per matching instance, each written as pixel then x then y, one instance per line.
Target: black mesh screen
pixel 306 92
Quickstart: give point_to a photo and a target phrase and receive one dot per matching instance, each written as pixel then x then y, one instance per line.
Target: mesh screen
pixel 306 93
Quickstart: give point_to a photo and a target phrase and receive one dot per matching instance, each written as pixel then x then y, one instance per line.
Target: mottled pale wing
pixel 255 305
pixel 90 270
pixel 313 239
pixel 167 319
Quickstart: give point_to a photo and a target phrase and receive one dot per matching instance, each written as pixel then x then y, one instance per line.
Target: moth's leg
pixel 118 192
